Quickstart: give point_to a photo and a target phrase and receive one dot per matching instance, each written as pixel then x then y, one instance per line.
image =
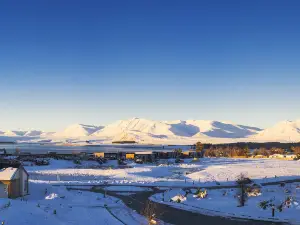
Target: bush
pixel 77 161
pixel 261 151
pixel 296 151
pixel 230 151
pixel 277 151
pixel 7 205
pixel 201 194
pixel 149 211
pixel 264 204
pixel 242 181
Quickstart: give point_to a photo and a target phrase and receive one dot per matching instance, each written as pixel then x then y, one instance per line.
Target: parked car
pixel 139 161
pixel 178 160
pixel 41 162
pixel 122 162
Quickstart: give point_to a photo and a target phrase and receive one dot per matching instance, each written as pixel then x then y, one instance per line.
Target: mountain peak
pixel 78 130
pixel 286 130
pixel 176 131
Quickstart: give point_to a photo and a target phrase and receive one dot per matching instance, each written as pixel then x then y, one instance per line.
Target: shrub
pixel 261 151
pixel 280 207
pixel 149 211
pixel 296 151
pixel 277 151
pixel 242 181
pixel 229 151
pixel 199 148
pixel 255 152
pixel 77 161
pixel 201 194
pixel 7 205
pixel 264 204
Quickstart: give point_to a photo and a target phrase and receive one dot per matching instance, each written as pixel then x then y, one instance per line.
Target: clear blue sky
pixel 93 62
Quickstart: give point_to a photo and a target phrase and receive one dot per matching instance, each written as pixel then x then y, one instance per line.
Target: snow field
pixel 206 172
pixel 50 205
pixel 223 202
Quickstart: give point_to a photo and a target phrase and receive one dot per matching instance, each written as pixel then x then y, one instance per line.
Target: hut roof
pixel 7 173
pixel 144 153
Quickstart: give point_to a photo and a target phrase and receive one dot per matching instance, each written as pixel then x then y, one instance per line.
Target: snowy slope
pixel 222 129
pixel 282 131
pixel 166 132
pixel 135 125
pixel 14 133
pixel 78 130
pixel 33 133
pixel 179 131
pixel 28 133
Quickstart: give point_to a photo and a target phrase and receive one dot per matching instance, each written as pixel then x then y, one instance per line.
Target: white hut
pixel 13 182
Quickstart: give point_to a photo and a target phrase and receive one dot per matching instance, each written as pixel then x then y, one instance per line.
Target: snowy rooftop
pixel 144 153
pixel 7 173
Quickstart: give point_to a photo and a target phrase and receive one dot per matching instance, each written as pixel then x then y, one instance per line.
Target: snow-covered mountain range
pixel 284 131
pixel 165 132
pixel 78 130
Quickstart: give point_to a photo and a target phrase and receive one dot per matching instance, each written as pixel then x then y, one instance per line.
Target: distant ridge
pixel 141 130
pixel 282 131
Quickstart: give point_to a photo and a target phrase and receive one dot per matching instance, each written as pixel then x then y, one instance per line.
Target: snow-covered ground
pixel 223 202
pixel 206 172
pixel 48 204
pixel 126 188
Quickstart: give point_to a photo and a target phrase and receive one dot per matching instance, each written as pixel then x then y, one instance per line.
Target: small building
pixel 52 153
pixel 166 154
pixel 23 154
pixel 13 181
pixel 106 155
pixel 99 154
pixel 191 153
pixel 283 157
pixel 129 155
pixel 145 156
pixel 3 152
pixel 111 155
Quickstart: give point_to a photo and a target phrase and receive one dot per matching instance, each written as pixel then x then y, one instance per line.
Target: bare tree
pixel 177 152
pixel 199 148
pixel 264 152
pixel 242 181
pixel 296 150
pixel 149 212
pixel 275 150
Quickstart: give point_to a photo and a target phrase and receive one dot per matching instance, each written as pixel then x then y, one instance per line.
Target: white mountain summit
pixel 78 130
pixel 190 129
pixel 287 131
pixel 168 132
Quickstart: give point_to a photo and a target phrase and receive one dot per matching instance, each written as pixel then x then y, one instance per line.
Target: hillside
pixel 180 131
pixel 165 132
pixel 284 131
pixel 78 130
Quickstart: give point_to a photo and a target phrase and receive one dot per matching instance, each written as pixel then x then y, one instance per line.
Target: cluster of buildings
pixel 146 156
pixel 14 178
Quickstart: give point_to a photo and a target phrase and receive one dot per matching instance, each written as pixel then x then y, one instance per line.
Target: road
pixel 296 180
pixel 175 216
